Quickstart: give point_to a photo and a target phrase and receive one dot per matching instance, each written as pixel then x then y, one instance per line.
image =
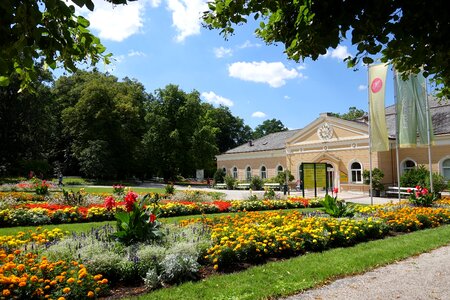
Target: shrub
pixel 179 267
pixel 169 189
pixel 414 177
pixel 281 177
pixel 269 194
pixel 230 182
pixel 377 177
pixel 219 176
pixel 256 183
pixel 337 208
pixel 421 197
pixel 439 183
pixel 74 198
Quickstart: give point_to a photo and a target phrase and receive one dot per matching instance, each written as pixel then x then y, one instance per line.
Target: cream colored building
pixel 344 146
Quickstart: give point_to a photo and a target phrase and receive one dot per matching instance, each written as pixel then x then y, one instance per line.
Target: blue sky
pixel 160 42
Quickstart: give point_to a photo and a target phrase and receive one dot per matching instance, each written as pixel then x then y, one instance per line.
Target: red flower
pixel 130 198
pixel 110 202
pixel 335 190
pixel 408 190
pixel 152 218
pixel 424 191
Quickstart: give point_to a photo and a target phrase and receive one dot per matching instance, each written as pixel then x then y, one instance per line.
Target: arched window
pixel 279 169
pixel 235 173
pixel 408 165
pixel 263 172
pixel 356 172
pixel 248 173
pixel 446 169
pixel 224 170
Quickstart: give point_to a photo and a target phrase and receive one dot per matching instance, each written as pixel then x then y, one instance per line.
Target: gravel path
pixel 426 276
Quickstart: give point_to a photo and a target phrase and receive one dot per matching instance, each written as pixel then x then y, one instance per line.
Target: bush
pixel 169 189
pixel 219 176
pixel 179 267
pixel 256 183
pixel 230 182
pixel 414 177
pixel 439 183
pixel 377 177
pixel 281 177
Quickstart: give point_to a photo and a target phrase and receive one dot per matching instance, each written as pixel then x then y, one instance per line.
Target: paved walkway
pixel 426 276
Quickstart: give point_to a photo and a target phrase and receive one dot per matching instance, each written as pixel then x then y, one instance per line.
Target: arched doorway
pixel 330 176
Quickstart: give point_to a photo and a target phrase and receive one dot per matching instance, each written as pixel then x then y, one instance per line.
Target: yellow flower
pixel 90 294
pixel 66 290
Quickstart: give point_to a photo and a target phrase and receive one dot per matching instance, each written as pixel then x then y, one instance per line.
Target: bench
pixel 272 185
pixel 220 186
pixel 243 186
pixel 394 191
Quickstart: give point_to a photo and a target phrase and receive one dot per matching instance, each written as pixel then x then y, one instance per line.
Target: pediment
pixel 328 129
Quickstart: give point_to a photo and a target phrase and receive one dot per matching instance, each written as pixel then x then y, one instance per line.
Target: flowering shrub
pixel 41 187
pixel 118 189
pixel 421 196
pixel 138 223
pixel 256 236
pixel 405 219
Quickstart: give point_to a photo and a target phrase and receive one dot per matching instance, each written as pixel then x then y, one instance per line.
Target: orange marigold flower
pixel 98 277
pixel 70 280
pixel 6 292
pixel 34 278
pixel 66 290
pixel 61 298
pixel 90 294
pixel 22 283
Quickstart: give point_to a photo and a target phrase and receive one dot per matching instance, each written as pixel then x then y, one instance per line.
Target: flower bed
pixel 24 274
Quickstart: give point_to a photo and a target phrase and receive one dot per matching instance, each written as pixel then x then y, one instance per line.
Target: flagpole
pixel 427 109
pixel 397 143
pixel 370 138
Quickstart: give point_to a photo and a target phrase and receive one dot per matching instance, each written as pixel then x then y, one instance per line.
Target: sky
pixel 161 42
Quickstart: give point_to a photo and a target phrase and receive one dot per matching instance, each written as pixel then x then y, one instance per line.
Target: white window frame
pixel 403 167
pixel 261 172
pixel 442 167
pixel 235 172
pixel 278 169
pixel 248 173
pixel 357 172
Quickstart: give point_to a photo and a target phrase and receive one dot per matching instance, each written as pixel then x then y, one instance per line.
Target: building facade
pixel 344 146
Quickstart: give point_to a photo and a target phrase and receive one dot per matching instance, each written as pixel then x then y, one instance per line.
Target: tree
pixel 104 120
pixel 268 126
pixel 352 114
pixel 27 126
pixel 232 130
pixel 407 34
pixel 179 137
pixel 44 31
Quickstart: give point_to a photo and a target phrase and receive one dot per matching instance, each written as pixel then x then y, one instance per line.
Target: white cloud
pixel 274 73
pixel 155 3
pixel 258 114
pixel 186 16
pixel 362 87
pixel 222 52
pixel 301 67
pixel 115 22
pixel 248 44
pixel 212 97
pixel 136 53
pixel 287 97
pixel 341 52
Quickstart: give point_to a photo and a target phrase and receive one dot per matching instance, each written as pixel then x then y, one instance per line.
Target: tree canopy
pixel 407 34
pixel 352 114
pixel 48 32
pixel 268 126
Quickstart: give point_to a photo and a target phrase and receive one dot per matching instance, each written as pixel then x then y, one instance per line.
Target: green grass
pixel 80 227
pixel 277 279
pixel 74 227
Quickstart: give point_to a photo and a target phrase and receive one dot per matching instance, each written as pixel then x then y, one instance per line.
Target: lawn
pixel 287 277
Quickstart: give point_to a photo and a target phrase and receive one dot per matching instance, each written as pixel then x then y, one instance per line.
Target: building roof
pixel 273 141
pixel 440 114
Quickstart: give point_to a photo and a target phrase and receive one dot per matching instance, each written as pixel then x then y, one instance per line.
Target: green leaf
pixel 4 81
pixel 83 21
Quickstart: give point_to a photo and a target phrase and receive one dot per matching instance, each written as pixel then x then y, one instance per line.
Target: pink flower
pixel 152 218
pixel 110 202
pixel 130 198
pixel 424 191
pixel 418 187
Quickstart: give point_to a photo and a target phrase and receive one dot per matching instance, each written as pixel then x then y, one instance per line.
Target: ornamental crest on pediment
pixel 325 132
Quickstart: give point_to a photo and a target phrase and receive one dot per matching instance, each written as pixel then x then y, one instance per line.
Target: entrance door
pixel 330 176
